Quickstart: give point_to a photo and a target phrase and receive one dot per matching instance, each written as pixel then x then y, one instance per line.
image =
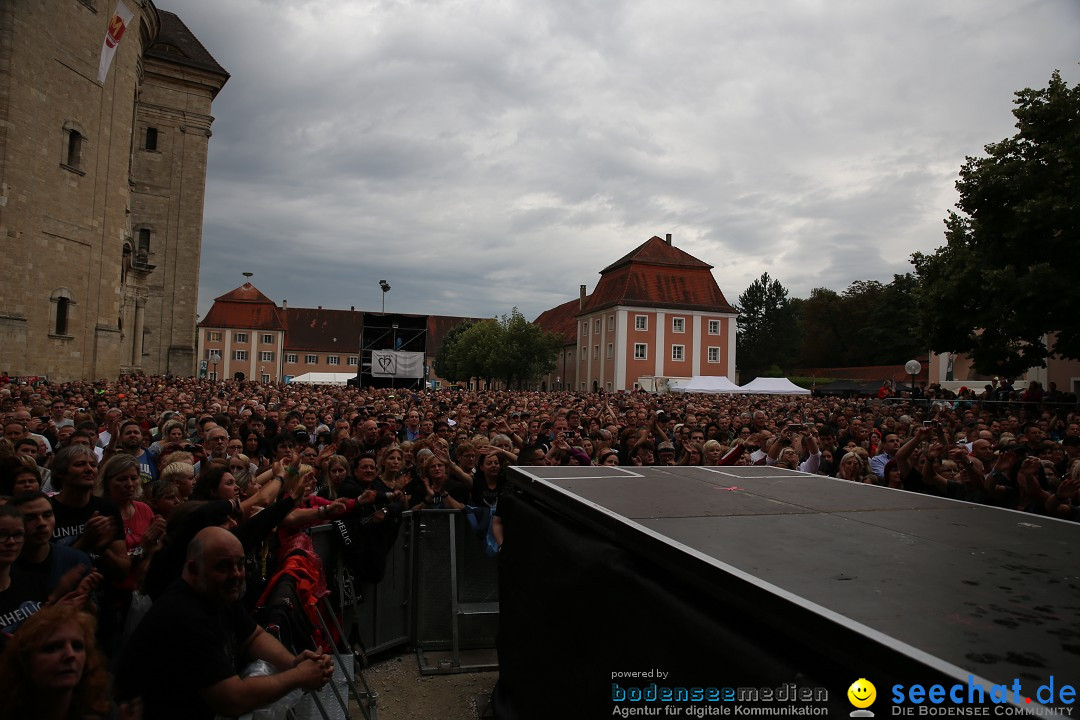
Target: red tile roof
pixel 245 307
pixel 323 330
pixel 657 274
pixel 561 320
pixel 309 329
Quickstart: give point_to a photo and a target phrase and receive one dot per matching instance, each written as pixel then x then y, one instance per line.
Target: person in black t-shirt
pixel 41 561
pixel 183 658
pixel 83 520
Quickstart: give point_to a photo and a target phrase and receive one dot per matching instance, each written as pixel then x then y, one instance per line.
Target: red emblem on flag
pixel 116 31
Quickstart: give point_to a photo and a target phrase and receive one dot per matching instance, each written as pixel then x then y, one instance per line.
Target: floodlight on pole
pixel 385 289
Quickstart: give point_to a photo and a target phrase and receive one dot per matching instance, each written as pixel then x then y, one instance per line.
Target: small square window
pixel 267 339
pixel 678 325
pixel 332 360
pixel 266 357
pixel 641 322
pixel 641 351
pixel 240 337
pixel 714 354
pixel 677 352
pixel 714 327
pixel 354 360
pixel 311 359
pixel 213 336
pixel 239 355
pixel 290 358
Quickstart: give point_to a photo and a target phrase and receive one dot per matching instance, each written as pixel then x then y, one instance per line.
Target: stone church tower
pixel 101 189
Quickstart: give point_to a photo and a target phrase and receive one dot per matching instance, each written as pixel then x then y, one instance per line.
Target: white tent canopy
pixel 324 378
pixel 772 386
pixel 707 384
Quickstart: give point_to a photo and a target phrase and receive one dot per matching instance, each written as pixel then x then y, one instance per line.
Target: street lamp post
pixel 215 357
pixel 913 368
pixel 385 287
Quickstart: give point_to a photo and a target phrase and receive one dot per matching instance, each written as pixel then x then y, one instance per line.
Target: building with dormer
pixel 246 335
pixel 656 314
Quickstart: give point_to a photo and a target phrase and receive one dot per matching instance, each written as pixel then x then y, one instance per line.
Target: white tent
pixel 707 384
pixel 324 378
pixel 772 386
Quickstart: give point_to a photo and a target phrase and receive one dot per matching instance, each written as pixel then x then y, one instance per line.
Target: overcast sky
pixel 485 155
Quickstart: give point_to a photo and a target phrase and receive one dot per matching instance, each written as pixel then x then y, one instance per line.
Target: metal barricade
pixel 440 594
pixel 381 613
pixel 457 598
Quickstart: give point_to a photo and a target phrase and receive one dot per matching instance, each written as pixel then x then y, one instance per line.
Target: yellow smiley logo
pixel 862 693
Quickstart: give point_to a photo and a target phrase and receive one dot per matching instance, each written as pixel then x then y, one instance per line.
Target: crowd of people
pixel 184 495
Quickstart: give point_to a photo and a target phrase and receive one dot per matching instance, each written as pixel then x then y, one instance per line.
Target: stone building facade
pixel 101 189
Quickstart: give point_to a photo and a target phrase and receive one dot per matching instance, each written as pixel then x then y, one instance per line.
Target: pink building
pixel 656 314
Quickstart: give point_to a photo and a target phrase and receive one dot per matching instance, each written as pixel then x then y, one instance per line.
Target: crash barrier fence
pixel 438 592
pixel 996 405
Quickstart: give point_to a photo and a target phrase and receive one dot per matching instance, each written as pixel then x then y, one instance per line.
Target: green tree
pixel 510 349
pixel 1007 275
pixel 445 364
pixel 824 337
pixel 768 328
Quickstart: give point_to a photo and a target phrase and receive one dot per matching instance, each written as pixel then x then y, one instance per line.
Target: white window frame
pixel 265 378
pixel 597 326
pixel 678 324
pixel 240 337
pixel 644 348
pixel 678 353
pixel 353 360
pixel 596 352
pixel 611 323
pixel 291 358
pixel 240 355
pixel 610 350
pixel 584 327
pixel 713 351
pixel 213 336
pixel 641 323
pixel 584 352
pixel 311 359
pixel 714 327
pixel 267 339
pixel 266 356
pixel 333 359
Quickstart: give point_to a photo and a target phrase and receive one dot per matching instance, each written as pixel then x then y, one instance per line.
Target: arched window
pixel 74 146
pixel 60 312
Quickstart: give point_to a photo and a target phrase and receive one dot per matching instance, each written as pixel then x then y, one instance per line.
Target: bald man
pixel 184 657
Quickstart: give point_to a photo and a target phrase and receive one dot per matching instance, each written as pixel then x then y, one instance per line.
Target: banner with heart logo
pixel 397 364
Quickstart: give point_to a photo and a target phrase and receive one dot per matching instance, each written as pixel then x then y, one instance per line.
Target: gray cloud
pixel 481 156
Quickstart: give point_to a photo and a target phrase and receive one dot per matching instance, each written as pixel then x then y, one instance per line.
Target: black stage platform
pixel 770 576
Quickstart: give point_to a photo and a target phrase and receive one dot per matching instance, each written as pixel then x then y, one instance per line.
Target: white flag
pixel 117 26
